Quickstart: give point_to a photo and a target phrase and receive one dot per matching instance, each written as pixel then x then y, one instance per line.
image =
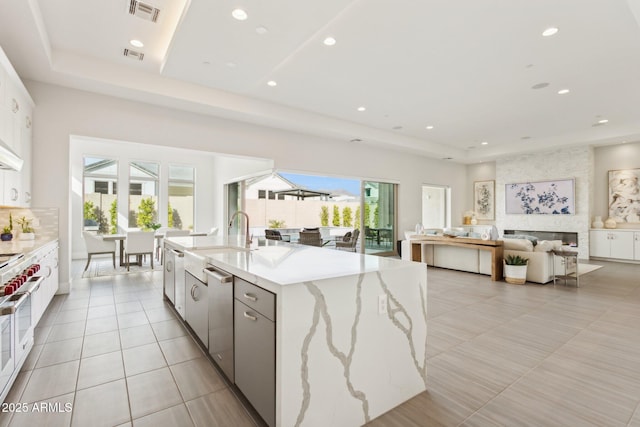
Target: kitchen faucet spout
pixel 248 237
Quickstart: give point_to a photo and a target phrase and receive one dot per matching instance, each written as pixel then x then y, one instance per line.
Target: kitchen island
pixel 350 329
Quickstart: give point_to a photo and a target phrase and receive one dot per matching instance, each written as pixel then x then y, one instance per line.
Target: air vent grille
pixel 134 54
pixel 144 11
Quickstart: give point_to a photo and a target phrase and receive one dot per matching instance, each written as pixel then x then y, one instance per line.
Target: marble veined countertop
pixel 281 263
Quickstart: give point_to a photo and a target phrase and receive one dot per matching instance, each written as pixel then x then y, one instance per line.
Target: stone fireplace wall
pixel 577 163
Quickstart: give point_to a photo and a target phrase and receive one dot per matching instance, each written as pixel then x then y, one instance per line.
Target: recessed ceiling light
pixel 397 127
pixel 524 138
pixel 206 62
pixel 563 91
pixel 484 143
pixel 231 64
pixel 362 108
pixel 549 31
pixel 329 41
pixel 429 127
pixel 540 85
pixel 603 121
pixel 272 83
pixel 262 30
pixel 136 43
pixel 239 14
pixel 356 140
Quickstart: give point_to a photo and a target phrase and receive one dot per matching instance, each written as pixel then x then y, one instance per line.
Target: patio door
pixel 235 202
pixel 379 217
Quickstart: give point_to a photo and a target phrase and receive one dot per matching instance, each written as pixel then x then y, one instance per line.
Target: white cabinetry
pixel 16 108
pixel 618 244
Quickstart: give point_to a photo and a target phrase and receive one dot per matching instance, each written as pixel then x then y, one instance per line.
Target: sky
pixel 324 183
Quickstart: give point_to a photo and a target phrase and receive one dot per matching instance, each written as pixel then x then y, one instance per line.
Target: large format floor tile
pixel 498 355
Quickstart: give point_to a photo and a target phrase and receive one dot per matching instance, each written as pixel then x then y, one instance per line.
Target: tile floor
pixel 115 352
pixel 498 355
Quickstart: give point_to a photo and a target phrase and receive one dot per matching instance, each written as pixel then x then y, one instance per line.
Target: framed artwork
pixel 555 197
pixel 624 195
pixel 484 199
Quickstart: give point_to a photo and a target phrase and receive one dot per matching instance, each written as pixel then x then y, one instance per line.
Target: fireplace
pixel 568 238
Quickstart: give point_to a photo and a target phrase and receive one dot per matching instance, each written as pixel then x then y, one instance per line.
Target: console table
pixel 494 246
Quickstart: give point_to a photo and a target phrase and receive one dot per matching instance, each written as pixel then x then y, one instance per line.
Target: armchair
pixel 349 241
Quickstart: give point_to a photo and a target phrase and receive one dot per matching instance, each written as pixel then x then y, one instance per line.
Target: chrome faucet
pixel 248 237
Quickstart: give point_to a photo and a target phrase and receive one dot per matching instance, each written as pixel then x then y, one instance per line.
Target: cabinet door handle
pixel 250 297
pixel 250 317
pixel 169 266
pixel 219 356
pixel 193 288
pixel 14 194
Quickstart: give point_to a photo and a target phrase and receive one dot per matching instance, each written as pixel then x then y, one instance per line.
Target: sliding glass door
pixel 379 217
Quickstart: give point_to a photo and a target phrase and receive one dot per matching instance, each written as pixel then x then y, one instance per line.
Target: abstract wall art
pixel 624 195
pixel 555 197
pixel 484 199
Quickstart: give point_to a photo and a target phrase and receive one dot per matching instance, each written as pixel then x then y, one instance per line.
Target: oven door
pixel 7 357
pixel 23 327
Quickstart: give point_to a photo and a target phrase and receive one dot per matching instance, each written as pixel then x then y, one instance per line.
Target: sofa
pixel 540 266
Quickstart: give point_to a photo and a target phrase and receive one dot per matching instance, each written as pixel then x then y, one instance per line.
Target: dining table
pixel 121 237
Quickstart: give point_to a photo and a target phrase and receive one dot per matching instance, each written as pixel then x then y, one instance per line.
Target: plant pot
pixel 515 274
pixel 26 236
pixel 6 237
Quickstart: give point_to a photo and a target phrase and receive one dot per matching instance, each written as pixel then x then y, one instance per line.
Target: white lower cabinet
pixel 636 245
pixel 618 244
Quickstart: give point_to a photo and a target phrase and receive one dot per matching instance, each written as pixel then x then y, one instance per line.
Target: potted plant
pixel 515 269
pixel 27 230
pixel 7 231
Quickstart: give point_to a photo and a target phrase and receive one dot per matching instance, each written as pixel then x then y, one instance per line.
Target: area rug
pixel 105 268
pixel 587 268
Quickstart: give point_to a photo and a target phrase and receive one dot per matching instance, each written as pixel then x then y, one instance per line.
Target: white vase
pixel 610 223
pixel 26 236
pixel 474 221
pixel 597 222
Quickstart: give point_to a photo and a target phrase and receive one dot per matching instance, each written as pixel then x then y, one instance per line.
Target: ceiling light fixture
pixel 329 41
pixel 484 143
pixel 239 14
pixel 272 83
pixel 429 127
pixel 540 85
pixel 262 30
pixel 603 121
pixel 136 43
pixel 231 64
pixel 549 32
pixel 362 108
pixel 563 91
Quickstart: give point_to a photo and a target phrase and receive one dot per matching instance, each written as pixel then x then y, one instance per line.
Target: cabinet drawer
pixel 255 297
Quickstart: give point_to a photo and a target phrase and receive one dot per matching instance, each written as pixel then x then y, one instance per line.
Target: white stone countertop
pixel 282 263
pixel 26 247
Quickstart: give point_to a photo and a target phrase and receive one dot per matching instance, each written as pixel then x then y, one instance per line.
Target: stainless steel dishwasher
pixel 196 308
pixel 174 286
pixel 220 285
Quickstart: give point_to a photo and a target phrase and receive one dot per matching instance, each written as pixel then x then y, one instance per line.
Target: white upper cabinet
pixel 16 109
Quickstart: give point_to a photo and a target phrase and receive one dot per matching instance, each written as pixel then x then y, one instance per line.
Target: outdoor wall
pixel 61 112
pixel 295 213
pixel 612 157
pixel 560 164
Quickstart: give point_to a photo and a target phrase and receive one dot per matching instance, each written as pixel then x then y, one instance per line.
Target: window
pixel 180 207
pixel 262 194
pixel 143 194
pixel 100 179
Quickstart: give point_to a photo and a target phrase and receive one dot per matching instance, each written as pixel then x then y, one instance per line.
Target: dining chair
pixel 310 238
pixel 96 245
pixel 349 241
pixel 139 243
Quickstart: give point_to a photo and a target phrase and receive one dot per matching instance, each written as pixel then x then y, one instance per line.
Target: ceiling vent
pixel 134 54
pixel 143 11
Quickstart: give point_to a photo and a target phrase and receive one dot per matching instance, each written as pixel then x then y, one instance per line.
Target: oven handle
pixel 35 284
pixel 24 296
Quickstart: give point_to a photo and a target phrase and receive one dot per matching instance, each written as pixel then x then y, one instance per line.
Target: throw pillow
pixel 346 237
pixel 518 245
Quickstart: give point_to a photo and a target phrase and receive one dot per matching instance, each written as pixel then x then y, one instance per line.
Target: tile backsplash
pixel 45 220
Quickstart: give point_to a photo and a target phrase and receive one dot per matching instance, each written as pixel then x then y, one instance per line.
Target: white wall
pixel 61 112
pixel 485 171
pixel 560 164
pixel 612 157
